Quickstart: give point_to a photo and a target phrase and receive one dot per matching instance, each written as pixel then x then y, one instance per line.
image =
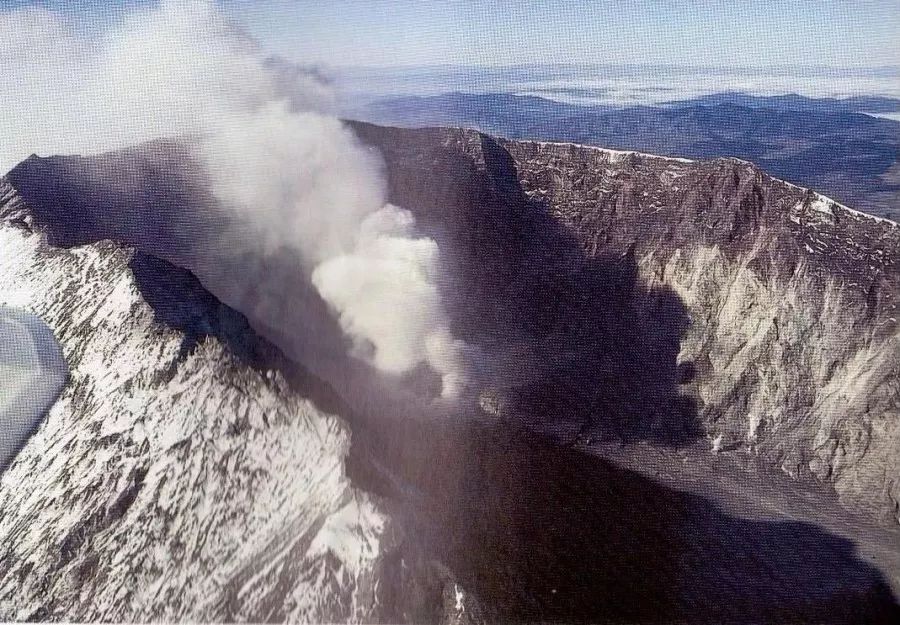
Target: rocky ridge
pixel 659 300
pixel 180 475
pixel 770 310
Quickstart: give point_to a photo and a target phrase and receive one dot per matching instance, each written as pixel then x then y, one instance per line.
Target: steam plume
pixel 291 179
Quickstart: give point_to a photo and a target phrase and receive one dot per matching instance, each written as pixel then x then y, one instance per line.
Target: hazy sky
pixel 408 32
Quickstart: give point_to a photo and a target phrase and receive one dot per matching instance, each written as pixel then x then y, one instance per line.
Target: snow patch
pixel 613 156
pixel 825 205
pixel 344 534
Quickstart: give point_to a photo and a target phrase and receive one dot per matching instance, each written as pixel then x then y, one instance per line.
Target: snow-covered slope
pixel 170 481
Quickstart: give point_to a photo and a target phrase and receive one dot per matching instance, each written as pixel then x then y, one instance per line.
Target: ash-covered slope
pixel 179 476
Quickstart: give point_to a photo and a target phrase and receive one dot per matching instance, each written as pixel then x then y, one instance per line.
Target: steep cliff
pixel 621 297
pixel 696 299
pixel 793 344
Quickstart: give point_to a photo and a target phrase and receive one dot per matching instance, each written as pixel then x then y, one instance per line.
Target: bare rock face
pixel 683 299
pixel 793 341
pixel 618 296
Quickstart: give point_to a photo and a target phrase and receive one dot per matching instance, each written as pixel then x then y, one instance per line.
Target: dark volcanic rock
pixel 782 303
pixel 623 295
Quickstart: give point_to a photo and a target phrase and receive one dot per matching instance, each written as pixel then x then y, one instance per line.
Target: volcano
pixel 698 419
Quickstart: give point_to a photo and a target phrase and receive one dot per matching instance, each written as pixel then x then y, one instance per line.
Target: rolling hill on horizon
pixel 829 144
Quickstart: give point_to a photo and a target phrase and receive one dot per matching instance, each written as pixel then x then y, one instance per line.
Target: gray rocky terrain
pixel 697 299
pixel 677 326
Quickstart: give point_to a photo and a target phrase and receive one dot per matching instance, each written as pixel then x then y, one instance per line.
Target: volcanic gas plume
pixel 294 187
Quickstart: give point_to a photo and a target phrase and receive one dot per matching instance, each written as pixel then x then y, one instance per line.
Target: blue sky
pixel 735 33
pixel 681 32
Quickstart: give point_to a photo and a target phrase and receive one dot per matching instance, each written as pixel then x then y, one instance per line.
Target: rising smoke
pixel 292 179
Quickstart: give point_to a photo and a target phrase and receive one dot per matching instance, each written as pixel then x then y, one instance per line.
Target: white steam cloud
pixel 385 290
pixel 284 170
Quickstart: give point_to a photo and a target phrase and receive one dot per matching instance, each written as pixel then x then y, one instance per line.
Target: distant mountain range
pixel 829 144
pixel 795 102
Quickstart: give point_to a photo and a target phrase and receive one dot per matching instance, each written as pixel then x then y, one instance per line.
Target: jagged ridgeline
pixel 656 298
pixel 616 296
pixel 674 299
